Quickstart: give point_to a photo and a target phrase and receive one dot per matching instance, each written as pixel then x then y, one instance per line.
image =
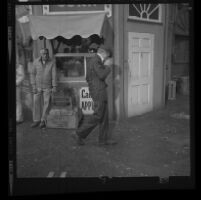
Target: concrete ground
pixel 154 144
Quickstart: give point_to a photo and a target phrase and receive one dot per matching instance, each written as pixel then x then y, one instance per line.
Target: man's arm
pixel 20 75
pixel 33 76
pixel 101 70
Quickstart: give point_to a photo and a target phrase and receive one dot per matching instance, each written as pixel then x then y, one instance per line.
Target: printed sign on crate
pixel 86 102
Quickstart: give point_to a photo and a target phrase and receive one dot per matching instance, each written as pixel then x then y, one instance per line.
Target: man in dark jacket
pixel 96 75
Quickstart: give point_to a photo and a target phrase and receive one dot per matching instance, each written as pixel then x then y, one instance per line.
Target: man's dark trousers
pixel 99 117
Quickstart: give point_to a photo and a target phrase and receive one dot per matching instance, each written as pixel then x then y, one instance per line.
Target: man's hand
pixel 108 62
pixel 54 89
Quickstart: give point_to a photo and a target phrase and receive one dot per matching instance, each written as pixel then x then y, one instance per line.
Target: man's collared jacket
pixel 96 75
pixel 43 76
pixel 19 74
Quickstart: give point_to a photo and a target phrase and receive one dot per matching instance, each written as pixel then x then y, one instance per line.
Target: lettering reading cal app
pixel 85 94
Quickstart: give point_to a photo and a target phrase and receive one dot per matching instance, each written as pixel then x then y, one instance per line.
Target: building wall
pixel 180 56
pixel 117 81
pixel 178 44
pixel 179 70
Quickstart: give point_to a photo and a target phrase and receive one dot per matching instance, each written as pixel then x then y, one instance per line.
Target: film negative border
pixel 11 92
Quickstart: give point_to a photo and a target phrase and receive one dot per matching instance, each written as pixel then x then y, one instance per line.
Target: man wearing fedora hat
pixel 97 72
pixel 43 81
pixel 93 48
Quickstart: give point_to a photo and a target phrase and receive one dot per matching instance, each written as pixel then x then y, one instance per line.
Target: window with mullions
pixel 145 12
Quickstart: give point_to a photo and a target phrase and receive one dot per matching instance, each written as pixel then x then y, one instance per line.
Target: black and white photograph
pixel 102 90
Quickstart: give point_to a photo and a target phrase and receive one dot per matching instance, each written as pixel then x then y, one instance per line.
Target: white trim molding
pixel 30 10
pixel 107 10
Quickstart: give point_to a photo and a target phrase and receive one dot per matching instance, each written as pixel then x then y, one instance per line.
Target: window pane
pixel 144 15
pixel 133 11
pixel 155 14
pixel 138 6
pixel 153 5
pixel 70 67
pixel 146 6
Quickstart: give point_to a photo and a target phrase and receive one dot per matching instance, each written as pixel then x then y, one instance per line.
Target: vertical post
pixel 165 55
pixel 118 59
pixel 44 42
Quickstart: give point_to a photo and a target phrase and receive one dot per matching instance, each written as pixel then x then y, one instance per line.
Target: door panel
pixel 140 77
pixel 145 65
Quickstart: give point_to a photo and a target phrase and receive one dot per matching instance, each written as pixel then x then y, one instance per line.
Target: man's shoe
pixel 42 124
pixel 78 139
pixel 35 124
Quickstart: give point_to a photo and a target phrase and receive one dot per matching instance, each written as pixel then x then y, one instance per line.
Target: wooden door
pixel 140 73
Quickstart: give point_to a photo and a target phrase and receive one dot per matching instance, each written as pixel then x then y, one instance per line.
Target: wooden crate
pixel 62 118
